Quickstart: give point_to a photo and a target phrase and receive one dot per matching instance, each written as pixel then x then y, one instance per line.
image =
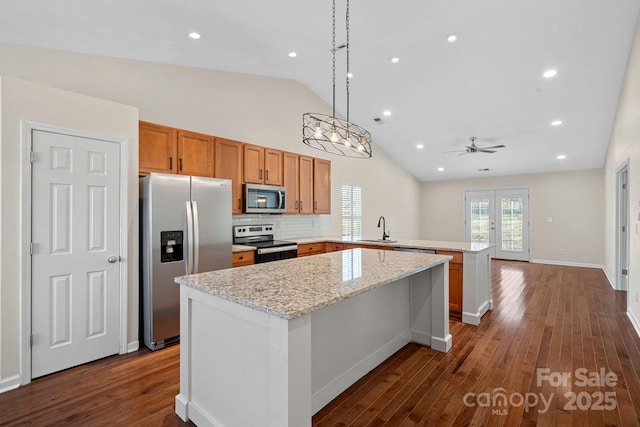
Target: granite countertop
pixel 403 243
pixel 293 287
pixel 242 248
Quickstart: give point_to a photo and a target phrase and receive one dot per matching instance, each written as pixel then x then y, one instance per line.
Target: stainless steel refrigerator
pixel 185 228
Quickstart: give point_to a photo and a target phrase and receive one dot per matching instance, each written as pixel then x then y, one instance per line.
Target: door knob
pixel 112 259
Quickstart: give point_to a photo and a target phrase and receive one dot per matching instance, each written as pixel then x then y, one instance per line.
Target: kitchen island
pixel 271 344
pixel 469 272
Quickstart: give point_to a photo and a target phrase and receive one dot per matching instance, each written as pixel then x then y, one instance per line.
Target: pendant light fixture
pixel 328 132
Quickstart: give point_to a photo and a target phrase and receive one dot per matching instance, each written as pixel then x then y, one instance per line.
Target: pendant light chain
pixel 333 134
pixel 333 53
pixel 347 75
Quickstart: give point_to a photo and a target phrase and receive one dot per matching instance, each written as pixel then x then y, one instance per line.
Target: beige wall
pixel 259 110
pixel 574 200
pixel 625 146
pixel 23 100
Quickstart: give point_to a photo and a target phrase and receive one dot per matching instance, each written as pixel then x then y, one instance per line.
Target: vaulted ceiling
pixel 488 83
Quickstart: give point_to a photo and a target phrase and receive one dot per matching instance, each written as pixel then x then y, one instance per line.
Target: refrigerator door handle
pixel 196 238
pixel 188 259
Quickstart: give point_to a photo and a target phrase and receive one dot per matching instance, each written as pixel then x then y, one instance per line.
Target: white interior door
pixel 499 217
pixel 75 287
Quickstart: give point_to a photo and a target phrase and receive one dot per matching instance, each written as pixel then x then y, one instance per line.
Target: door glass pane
pixel 480 222
pixel 512 224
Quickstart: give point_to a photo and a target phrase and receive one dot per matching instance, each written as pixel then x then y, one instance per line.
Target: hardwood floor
pixel 544 317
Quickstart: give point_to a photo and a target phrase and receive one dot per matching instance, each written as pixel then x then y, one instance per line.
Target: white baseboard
pixel 567 263
pixel 133 346
pixel 474 318
pixel 634 321
pixel 9 383
pixel 610 279
pixel 357 371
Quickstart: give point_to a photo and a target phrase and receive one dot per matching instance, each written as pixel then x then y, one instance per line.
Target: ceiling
pixel 487 84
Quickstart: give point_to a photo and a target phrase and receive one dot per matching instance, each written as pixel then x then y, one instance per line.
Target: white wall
pixel 625 145
pixel 259 110
pixel 574 200
pixel 23 100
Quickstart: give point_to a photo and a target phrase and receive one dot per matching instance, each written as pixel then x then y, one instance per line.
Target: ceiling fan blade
pixel 455 151
pixel 484 150
pixel 462 154
pixel 493 146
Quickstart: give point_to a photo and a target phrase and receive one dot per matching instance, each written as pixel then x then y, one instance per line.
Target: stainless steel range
pixel 262 237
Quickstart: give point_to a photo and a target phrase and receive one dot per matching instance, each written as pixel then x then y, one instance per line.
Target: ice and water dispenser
pixel 171 246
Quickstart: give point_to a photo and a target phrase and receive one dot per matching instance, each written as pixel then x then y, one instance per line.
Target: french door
pixel 499 217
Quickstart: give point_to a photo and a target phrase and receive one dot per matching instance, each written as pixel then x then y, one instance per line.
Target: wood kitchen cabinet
pixel 291 182
pixel 333 247
pixel 297 172
pixel 455 283
pixel 240 259
pixel 169 150
pixel 321 186
pixel 228 164
pixel 157 149
pixel 195 154
pixel 262 165
pixel 311 249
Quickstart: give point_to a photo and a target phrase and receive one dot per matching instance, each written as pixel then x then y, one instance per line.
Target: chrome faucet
pixel 385 235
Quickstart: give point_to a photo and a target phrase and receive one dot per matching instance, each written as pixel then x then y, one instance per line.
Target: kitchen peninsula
pixel 271 344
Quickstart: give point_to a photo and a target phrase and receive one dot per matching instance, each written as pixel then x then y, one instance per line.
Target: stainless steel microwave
pixel 264 198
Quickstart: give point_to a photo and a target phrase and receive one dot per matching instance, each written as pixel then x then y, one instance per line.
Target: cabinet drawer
pixel 333 247
pixel 243 258
pixel 457 256
pixel 311 249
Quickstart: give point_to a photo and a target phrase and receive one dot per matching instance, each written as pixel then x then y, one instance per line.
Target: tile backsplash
pixel 290 226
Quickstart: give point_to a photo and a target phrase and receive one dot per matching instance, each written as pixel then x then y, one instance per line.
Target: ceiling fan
pixel 473 148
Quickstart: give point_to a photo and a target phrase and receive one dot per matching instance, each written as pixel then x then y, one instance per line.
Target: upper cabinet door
pixel 272 167
pixel 321 186
pixel 253 164
pixel 228 164
pixel 306 185
pixel 157 149
pixel 290 177
pixel 195 153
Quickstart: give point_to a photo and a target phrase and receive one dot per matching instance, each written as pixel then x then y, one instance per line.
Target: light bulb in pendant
pixel 334 135
pixel 360 146
pixel 347 141
pixel 318 133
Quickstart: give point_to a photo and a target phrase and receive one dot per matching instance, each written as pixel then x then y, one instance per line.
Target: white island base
pixel 240 366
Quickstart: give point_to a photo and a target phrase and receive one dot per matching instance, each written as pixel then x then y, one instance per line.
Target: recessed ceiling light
pixel 561 157
pixel 452 38
pixel 395 60
pixel 419 146
pixel 440 169
pixel 549 74
pixel 386 113
pixel 556 123
pixel 194 35
pixel 292 54
pixel 349 75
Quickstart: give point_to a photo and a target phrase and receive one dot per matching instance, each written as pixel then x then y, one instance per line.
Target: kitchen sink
pixel 377 241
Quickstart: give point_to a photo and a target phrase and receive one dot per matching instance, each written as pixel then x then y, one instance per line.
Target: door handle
pixel 112 259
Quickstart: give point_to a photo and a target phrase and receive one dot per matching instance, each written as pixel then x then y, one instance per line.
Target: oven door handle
pixel 277 249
